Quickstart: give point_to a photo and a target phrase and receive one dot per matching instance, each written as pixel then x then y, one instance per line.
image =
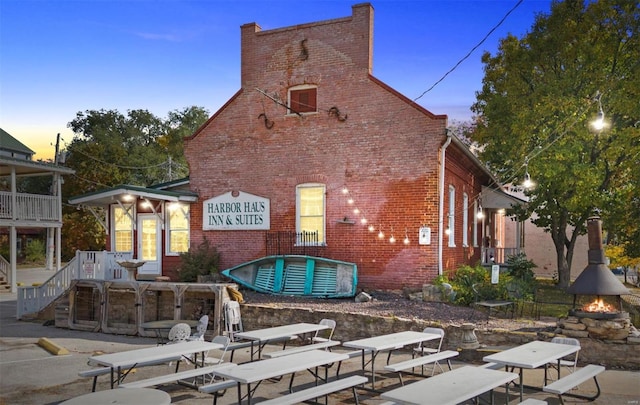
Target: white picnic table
pixel 263 336
pixel 157 354
pixel 381 343
pixel 532 355
pixel 451 387
pixel 257 371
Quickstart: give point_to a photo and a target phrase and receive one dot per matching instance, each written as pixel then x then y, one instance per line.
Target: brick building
pixel 313 142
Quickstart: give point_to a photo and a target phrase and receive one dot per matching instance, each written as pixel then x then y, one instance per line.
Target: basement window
pixel 303 99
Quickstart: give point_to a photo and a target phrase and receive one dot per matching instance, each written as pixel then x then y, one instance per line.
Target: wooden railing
pixel 29 207
pixel 4 268
pixel 86 265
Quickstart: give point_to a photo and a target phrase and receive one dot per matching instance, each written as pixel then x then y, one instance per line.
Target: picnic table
pixel 130 396
pixel 152 355
pixel 377 344
pixel 451 387
pixel 261 337
pixel 532 355
pixel 258 371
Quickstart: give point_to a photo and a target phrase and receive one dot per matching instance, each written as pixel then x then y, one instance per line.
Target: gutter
pixel 443 153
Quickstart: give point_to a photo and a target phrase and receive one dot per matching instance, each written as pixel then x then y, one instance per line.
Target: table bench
pixel 300 349
pixel 564 384
pixel 217 387
pixel 174 377
pixel 320 390
pixel 421 361
pixel 98 371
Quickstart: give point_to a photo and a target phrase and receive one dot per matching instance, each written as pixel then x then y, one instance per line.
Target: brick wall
pixel 385 152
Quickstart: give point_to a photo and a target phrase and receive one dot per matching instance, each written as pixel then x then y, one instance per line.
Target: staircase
pixel 4 271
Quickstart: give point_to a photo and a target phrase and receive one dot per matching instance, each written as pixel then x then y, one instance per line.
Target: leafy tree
pixel 539 94
pixel 109 149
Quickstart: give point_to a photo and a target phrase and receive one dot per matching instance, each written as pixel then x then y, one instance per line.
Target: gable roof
pixel 11 144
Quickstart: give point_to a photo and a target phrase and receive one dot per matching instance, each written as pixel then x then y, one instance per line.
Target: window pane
pixel 123 237
pixel 311 210
pixel 178 229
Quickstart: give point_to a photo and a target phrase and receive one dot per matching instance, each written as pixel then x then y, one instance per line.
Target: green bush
pixel 201 261
pixel 35 251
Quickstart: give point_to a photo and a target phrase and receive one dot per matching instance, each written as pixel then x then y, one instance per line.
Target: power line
pixel 470 52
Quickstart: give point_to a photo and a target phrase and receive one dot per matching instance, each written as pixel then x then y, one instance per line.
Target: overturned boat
pixel 297 275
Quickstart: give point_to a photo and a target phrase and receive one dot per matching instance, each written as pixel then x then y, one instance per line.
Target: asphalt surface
pixel 29 374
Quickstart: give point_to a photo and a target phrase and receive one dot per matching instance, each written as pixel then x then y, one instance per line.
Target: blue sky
pixel 59 57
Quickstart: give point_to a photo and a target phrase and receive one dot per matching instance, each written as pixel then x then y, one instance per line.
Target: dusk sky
pixel 59 57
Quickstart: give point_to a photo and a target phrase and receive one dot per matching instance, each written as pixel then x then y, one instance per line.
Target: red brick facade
pixel 382 146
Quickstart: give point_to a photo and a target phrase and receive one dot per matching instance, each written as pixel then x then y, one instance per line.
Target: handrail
pixel 86 265
pixel 34 298
pixel 5 268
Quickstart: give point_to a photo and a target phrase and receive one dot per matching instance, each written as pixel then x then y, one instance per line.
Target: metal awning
pixel 499 199
pixel 125 193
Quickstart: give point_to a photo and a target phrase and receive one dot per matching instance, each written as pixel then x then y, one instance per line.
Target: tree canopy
pixel 109 149
pixel 539 95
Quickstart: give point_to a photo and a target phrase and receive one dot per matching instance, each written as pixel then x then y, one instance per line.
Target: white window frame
pixel 184 209
pixel 465 220
pixel 475 223
pixel 323 215
pixel 451 226
pixel 129 210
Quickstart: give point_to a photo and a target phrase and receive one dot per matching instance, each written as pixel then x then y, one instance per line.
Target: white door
pixel 150 244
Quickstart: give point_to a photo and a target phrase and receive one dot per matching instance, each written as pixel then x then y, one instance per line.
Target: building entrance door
pixel 149 245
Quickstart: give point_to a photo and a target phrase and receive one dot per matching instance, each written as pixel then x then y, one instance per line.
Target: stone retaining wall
pixel 351 326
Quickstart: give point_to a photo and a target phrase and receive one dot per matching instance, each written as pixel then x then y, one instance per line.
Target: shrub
pixel 201 261
pixel 35 252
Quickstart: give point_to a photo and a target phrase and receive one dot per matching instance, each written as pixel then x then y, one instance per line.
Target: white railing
pixel 86 265
pixel 497 255
pixel 101 265
pixel 32 299
pixel 4 268
pixel 29 207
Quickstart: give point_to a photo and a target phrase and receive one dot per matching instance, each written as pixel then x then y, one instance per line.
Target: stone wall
pixel 357 326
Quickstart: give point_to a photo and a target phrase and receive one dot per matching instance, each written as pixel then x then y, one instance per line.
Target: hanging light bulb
pixel 392 239
pixel 356 211
pixel 527 183
pixel 599 123
pixel 350 201
pixel 345 190
pixel 381 234
pixel 371 228
pixel 480 214
pixel 406 240
pixel 363 221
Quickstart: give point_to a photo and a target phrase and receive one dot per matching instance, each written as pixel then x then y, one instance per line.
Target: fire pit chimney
pixel 596 278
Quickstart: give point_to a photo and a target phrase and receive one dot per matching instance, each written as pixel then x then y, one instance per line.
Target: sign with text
pixel 236 211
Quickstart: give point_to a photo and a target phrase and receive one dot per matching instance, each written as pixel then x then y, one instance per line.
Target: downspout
pixel 441 202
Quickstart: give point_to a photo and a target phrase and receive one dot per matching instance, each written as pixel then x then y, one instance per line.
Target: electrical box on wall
pixel 425 236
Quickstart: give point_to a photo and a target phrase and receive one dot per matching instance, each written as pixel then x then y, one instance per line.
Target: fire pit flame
pixel 598 306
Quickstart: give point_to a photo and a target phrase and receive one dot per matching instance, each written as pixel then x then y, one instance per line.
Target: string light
pixel 480 214
pixel 381 234
pixel 599 123
pixel 392 239
pixel 406 237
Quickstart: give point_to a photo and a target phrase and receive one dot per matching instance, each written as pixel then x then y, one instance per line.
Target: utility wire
pixel 471 51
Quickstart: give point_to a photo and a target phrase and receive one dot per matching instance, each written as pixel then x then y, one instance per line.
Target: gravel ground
pixel 393 303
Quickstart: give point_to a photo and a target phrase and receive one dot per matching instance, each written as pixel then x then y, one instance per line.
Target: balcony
pixel 29 209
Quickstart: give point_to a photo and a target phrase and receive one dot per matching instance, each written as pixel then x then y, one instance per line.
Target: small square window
pixel 303 100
